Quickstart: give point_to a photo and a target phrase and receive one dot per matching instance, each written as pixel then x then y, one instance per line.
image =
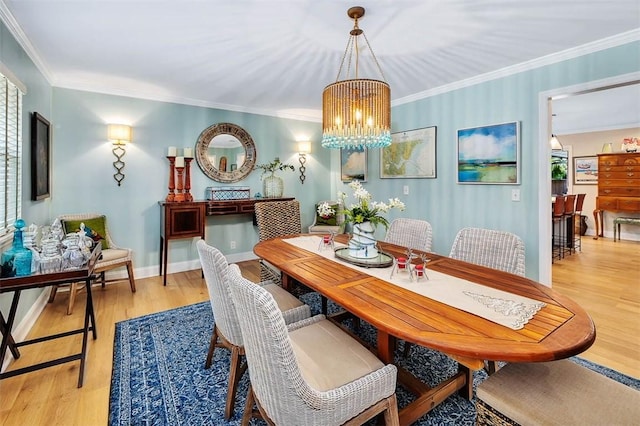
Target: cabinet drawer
pixel 622 159
pixel 629 205
pixel 607 203
pixel 619 174
pixel 620 168
pixel 619 191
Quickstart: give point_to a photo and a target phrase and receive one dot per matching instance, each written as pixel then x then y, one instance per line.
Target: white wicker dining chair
pixel 411 233
pixel 226 330
pixel 275 219
pixel 313 373
pixel 491 248
pixel 113 256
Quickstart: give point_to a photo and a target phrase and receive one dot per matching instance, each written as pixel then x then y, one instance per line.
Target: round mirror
pixel 225 152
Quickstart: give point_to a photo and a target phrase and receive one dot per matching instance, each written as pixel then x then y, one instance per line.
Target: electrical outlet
pixel 232 244
pixel 515 195
pixel 405 190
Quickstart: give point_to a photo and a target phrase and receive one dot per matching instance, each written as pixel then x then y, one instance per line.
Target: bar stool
pixel 577 236
pixel 557 216
pixel 570 227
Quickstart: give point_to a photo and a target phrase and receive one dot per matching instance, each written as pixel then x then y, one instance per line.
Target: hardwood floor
pixel 604 279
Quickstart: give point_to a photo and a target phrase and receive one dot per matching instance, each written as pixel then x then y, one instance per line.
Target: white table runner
pixel 509 310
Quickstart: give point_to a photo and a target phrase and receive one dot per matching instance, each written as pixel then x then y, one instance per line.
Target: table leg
pixel 89 324
pixel 598 219
pixel 6 337
pixel 467 390
pixel 386 347
pixel 11 343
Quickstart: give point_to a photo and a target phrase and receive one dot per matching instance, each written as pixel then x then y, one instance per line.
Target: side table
pixel 17 284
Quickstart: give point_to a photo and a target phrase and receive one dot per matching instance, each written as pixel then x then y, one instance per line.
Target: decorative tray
pixel 382 260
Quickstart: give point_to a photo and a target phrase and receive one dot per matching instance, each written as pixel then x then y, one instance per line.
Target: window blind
pixel 10 154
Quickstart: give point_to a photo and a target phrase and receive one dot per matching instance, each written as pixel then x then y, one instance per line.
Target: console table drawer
pixel 214 209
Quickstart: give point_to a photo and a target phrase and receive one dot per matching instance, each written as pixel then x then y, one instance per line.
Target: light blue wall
pixel 449 206
pixel 83 168
pixel 37 98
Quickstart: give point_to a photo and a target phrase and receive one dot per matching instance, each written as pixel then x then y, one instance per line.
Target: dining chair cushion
pixel 285 300
pixel 557 393
pixel 323 369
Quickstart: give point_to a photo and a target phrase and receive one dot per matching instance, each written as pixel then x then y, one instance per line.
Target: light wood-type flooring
pixel 604 279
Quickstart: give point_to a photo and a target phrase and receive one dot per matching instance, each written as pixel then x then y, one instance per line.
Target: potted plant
pixel 273 185
pixel 365 216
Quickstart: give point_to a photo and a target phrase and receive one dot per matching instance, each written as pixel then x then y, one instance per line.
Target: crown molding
pixel 14 28
pixel 554 58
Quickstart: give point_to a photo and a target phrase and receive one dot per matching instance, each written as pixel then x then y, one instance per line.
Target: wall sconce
pixel 555 143
pixel 304 147
pixel 119 135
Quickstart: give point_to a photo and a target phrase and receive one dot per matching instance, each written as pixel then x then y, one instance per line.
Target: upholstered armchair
pixel 312 373
pixel 112 257
pixel 326 225
pixel 226 330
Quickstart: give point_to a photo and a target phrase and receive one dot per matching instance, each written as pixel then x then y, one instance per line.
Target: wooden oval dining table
pixel 560 329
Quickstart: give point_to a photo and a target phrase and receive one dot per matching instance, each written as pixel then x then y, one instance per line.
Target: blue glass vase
pixel 16 262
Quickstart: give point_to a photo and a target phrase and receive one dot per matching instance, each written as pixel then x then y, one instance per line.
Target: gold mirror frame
pixel 210 169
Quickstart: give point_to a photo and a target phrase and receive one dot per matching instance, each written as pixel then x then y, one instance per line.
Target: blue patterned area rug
pixel 159 376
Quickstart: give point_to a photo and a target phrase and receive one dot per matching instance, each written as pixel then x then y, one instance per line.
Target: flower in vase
pixel 366 210
pixel 273 166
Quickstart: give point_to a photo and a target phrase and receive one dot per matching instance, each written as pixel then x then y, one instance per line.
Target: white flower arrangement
pixel 364 210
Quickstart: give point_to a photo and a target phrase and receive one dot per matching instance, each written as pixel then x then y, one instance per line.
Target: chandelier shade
pixel 356 113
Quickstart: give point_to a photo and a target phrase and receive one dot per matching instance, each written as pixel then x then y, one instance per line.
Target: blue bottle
pixel 17 260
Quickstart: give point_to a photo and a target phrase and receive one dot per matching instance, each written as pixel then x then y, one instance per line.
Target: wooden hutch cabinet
pixel 618 186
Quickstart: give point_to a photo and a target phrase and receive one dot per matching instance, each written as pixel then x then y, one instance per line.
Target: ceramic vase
pixel 362 244
pixel 273 186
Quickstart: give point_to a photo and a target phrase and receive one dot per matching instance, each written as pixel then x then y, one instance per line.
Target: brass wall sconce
pixel 119 135
pixel 304 147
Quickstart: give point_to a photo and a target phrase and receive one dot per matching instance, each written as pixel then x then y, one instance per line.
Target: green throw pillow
pixel 327 220
pixel 94 228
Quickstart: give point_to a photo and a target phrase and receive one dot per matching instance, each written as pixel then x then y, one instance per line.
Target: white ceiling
pixel 275 57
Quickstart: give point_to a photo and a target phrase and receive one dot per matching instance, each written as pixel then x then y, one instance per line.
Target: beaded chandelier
pixel 356 113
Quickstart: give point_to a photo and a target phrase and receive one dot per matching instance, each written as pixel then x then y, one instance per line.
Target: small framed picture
pixel 585 170
pixel 489 154
pixel 353 164
pixel 40 157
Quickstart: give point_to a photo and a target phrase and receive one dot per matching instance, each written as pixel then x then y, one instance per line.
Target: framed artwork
pixel 489 154
pixel 40 157
pixel 585 170
pixel 412 154
pixel 353 164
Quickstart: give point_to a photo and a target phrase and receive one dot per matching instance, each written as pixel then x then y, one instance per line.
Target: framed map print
pixel 412 154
